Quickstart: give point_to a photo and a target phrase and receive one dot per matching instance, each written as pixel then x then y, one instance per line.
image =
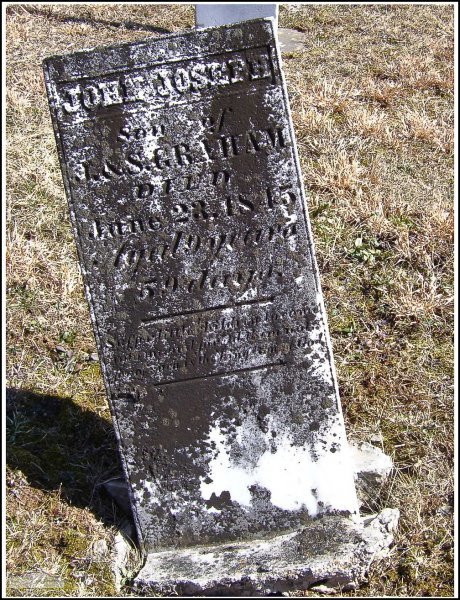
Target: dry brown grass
pixel 372 102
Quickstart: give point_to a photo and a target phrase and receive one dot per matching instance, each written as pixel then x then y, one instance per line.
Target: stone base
pixel 291 40
pixel 331 554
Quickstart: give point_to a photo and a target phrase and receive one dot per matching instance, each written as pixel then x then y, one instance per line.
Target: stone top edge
pixel 200 41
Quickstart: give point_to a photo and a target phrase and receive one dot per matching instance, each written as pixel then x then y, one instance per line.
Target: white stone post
pixel 210 15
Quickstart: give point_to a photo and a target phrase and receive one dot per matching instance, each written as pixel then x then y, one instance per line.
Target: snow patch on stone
pixel 296 477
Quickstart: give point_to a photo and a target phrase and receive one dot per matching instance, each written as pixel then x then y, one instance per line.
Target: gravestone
pixel 210 15
pixel 186 199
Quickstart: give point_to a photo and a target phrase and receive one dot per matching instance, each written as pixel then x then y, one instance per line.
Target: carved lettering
pixel 168 81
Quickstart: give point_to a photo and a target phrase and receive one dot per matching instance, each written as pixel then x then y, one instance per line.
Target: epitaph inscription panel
pixel 185 193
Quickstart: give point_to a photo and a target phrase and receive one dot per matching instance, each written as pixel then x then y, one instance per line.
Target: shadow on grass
pixel 60 446
pixel 48 14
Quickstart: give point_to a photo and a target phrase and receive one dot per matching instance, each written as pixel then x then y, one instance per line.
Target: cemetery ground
pixel 371 96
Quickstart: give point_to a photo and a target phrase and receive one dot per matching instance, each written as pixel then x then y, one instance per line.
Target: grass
pixel 372 102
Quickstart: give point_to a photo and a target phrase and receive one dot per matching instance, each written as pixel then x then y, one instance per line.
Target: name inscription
pixel 167 82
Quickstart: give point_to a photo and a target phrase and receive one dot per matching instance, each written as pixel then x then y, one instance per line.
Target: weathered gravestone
pixel 186 198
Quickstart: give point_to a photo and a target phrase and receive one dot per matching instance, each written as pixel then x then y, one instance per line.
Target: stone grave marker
pixel 210 15
pixel 185 193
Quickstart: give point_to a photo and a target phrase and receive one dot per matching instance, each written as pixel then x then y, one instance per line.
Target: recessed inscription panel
pixel 190 221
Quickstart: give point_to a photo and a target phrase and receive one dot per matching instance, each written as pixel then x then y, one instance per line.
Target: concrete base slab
pixel 331 553
pixel 372 468
pixel 290 40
